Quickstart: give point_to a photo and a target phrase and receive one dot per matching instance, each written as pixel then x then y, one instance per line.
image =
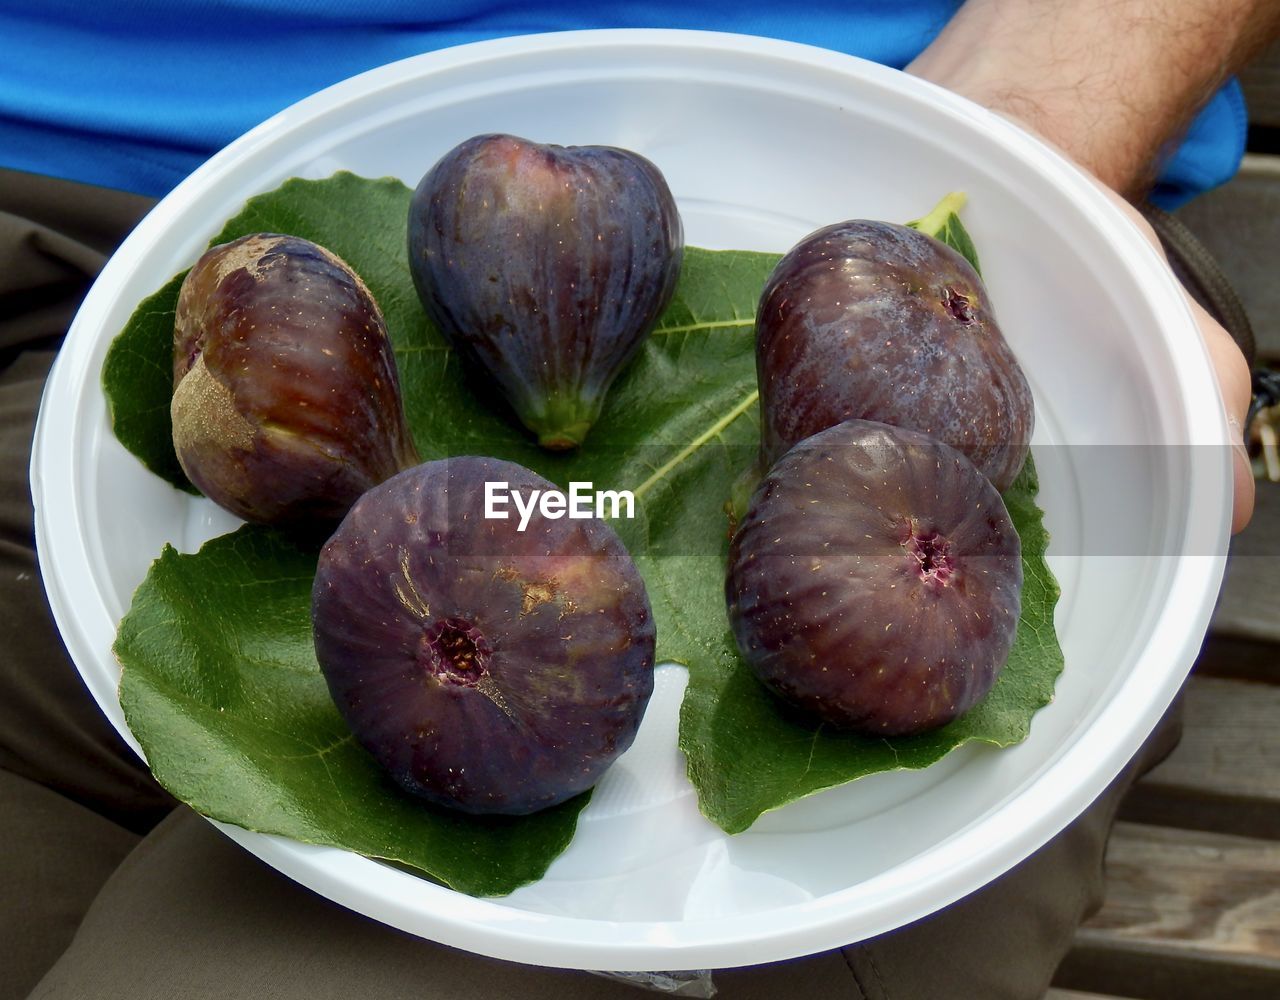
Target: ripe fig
pixel 877 321
pixel 286 402
pixel 546 266
pixel 487 668
pixel 876 580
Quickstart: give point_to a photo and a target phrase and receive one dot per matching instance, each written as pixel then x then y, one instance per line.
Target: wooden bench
pixel 1192 904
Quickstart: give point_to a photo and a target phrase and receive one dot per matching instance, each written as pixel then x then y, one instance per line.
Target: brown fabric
pixel 50 730
pixel 1005 941
pixel 54 238
pixel 191 915
pixel 187 914
pixel 55 856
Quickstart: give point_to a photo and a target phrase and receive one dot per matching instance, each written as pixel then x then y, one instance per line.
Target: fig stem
pixel 741 492
pixel 563 423
pixel 710 434
pixel 933 223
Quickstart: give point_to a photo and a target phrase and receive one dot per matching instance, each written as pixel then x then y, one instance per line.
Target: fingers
pixel 1234 381
pixel 1230 367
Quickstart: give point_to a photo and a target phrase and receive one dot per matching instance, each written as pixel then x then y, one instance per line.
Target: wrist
pixel 1112 83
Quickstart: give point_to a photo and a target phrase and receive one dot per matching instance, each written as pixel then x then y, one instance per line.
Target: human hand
pixel 1232 371
pixel 1108 83
pixel 1229 365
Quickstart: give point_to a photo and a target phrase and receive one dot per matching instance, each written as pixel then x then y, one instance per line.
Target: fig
pixel 877 321
pixel 487 668
pixel 286 402
pixel 875 582
pixel 546 267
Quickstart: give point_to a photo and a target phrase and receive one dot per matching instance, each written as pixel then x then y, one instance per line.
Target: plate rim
pixel 488 927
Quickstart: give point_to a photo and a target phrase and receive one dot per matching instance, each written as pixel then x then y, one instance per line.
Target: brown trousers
pixel 108 889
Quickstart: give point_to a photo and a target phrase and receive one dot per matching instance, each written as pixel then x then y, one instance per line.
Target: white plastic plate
pixel 761 141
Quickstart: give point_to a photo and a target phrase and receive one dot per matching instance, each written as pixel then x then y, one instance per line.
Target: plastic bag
pixel 688 983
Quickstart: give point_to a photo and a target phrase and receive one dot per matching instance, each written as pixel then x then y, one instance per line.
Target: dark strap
pixel 1266 392
pixel 1199 272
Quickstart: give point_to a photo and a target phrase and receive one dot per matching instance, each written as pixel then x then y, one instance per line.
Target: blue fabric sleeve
pixel 1211 152
pixel 135 94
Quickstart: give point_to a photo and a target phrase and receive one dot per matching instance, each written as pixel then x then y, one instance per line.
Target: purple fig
pixel 876 580
pixel 286 402
pixel 877 321
pixel 545 266
pixel 486 666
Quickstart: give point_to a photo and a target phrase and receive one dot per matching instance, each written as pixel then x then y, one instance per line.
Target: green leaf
pixel 943 224
pixel 364 222
pixel 137 377
pixel 222 662
pixel 746 757
pixel 222 689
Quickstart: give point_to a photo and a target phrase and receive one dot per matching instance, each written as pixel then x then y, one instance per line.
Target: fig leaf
pixel 137 377
pixel 943 224
pixel 209 696
pixel 222 689
pixel 747 757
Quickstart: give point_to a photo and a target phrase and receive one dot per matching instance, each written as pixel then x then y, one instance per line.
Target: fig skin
pixel 876 321
pixel 286 403
pixel 876 580
pixel 486 669
pixel 546 267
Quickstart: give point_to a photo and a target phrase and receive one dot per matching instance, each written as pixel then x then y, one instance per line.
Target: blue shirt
pixel 135 94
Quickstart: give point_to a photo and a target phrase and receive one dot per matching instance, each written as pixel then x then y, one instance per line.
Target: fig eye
pixel 958 305
pixel 933 553
pixel 456 652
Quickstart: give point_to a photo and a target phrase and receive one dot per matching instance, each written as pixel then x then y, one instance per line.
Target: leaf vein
pixel 711 433
pixel 695 327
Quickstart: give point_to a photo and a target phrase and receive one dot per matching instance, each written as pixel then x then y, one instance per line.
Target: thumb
pixel 1234 379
